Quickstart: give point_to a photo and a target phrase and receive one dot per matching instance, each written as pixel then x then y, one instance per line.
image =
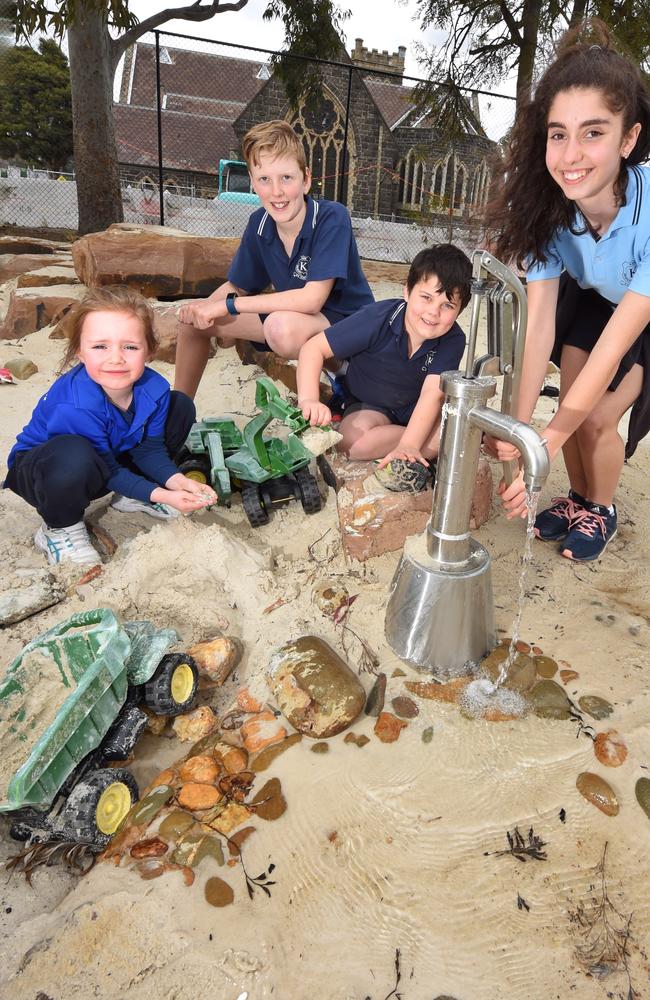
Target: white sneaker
pixel 70 544
pixel 127 505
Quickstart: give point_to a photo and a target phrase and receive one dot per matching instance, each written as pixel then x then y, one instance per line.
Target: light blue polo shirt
pixel 620 260
pixel 324 248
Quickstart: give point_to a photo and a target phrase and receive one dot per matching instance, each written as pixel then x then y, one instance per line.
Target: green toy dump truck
pixel 69 709
pixel 269 471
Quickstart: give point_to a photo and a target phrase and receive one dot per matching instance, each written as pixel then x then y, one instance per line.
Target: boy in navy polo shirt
pixel 303 248
pixel 397 350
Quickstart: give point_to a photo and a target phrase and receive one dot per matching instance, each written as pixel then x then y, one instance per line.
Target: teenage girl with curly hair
pixel 572 206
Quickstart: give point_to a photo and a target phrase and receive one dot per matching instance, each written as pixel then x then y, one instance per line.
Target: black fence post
pixel 344 158
pixel 161 193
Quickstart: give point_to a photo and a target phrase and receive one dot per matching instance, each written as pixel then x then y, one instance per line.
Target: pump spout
pixel 530 444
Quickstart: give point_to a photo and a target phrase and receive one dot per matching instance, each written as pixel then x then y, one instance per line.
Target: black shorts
pixel 330 314
pixel 582 315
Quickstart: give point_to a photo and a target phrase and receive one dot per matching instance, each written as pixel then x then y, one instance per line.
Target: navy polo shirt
pixel 380 371
pixel 324 248
pixel 620 260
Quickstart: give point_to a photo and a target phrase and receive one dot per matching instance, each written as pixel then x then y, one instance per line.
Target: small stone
pixel 195 725
pixel 148 808
pixel 388 727
pixel 174 825
pixel 150 868
pixel 522 674
pixel 427 734
pixel 216 658
pixel 522 647
pixel 320 747
pixel 398 672
pixel 404 708
pixel 21 368
pixel 549 701
pixel 269 802
pixel 232 816
pixel 262 730
pixel 264 759
pixel 235 759
pixel 376 697
pixel 167 777
pixel 491 664
pixel 433 691
pixel 358 740
pixel 642 792
pixel 233 720
pixel 197 796
pixel 247 702
pixel 218 892
pixel 545 666
pixel 309 667
pixel 537 650
pixel 156 724
pixel 568 676
pixel 194 847
pixel 610 748
pixel 596 707
pixel 350 738
pixel 27 592
pixel 596 790
pixel 362 740
pixel 328 596
pixel 200 768
pixel 154 847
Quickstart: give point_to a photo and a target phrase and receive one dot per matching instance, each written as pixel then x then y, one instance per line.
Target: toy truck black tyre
pixel 309 492
pixel 97 805
pixel 197 469
pixel 172 689
pixel 254 506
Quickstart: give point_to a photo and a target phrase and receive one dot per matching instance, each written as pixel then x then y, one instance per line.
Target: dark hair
pixel 109 298
pixel 451 267
pixel 526 206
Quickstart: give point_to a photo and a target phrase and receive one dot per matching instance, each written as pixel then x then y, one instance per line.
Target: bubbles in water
pixel 482 696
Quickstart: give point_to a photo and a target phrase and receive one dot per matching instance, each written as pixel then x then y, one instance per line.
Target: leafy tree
pixel 94 55
pixel 488 39
pixel 35 106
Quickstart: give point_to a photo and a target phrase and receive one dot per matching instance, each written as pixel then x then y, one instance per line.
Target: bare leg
pixel 368 434
pixel 193 347
pixel 602 449
pixel 286 332
pixel 572 362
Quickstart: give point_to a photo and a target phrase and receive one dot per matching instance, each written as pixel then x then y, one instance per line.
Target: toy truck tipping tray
pixel 268 471
pixel 68 707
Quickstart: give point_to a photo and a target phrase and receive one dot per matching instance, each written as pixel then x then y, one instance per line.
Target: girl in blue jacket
pixel 108 424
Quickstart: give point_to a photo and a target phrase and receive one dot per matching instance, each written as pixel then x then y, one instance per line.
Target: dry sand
pixel 381 848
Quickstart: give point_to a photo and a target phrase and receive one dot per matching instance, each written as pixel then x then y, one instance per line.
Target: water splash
pixel 532 500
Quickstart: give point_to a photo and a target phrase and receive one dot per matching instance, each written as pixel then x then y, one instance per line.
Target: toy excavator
pixel 269 471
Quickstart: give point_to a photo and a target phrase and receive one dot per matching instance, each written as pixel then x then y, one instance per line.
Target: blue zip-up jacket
pixel 75 404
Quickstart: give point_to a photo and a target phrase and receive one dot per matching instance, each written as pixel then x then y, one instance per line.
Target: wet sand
pixel 382 848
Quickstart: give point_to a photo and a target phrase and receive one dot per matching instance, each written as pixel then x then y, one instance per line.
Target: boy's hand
pixel 406 453
pixel 514 497
pixel 202 314
pixel 315 412
pixel 202 490
pixel 185 501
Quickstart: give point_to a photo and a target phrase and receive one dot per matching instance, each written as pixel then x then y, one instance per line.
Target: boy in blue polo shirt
pixel 397 350
pixel 303 248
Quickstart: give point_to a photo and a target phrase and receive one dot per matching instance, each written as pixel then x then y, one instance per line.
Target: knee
pixel 592 429
pixel 81 463
pixel 182 410
pixel 279 335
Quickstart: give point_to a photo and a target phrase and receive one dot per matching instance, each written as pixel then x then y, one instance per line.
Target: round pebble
pixel 642 792
pixel 610 748
pixel 596 790
pixel 596 707
pixel 545 666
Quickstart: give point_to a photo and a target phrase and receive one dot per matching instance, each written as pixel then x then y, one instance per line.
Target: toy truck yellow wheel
pixel 172 689
pixel 197 469
pixel 114 803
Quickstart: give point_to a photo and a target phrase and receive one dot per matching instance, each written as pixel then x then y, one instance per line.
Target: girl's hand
pixel 501 450
pixel 514 497
pixel 406 453
pixel 202 490
pixel 186 501
pixel 315 412
pixel 203 313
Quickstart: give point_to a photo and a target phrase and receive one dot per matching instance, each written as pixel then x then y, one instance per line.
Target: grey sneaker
pixel 403 477
pixel 71 544
pixel 127 505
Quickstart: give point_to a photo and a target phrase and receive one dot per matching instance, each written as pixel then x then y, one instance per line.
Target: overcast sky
pixel 383 24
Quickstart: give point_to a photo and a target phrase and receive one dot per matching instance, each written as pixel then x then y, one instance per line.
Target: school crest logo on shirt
pixel 302 267
pixel 427 361
pixel 628 271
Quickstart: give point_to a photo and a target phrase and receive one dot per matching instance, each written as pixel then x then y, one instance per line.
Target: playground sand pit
pixel 458 860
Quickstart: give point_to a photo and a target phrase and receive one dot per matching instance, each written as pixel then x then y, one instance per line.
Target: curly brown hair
pixel 526 206
pixel 110 298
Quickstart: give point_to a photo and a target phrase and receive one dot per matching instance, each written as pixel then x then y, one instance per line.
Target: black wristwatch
pixel 230 303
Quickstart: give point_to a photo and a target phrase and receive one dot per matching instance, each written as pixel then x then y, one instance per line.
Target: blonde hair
pixel 110 298
pixel 275 138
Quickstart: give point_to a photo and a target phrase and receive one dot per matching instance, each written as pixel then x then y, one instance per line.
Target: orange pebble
pixel 246 701
pixel 262 730
pixel 195 795
pixel 201 768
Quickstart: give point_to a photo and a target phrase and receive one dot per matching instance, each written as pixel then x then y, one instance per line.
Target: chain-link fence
pixel 412 166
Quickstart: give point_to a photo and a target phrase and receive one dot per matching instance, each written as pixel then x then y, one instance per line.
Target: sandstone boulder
pixel 53 274
pixel 14 264
pixel 155 260
pixel 31 245
pixel 31 309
